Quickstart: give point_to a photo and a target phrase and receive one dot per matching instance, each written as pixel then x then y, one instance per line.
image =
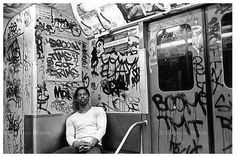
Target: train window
pixel 175 58
pixel 226 24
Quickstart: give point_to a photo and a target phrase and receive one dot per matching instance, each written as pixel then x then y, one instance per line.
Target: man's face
pixel 82 97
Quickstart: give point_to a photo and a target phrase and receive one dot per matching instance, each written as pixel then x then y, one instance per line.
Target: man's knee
pixel 66 150
pixel 95 150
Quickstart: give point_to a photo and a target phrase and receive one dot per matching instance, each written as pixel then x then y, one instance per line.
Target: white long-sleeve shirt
pixel 83 126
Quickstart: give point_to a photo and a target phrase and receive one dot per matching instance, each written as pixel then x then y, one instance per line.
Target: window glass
pixel 226 24
pixel 175 58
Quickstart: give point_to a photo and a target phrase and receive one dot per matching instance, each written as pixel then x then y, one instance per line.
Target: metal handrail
pixel 128 132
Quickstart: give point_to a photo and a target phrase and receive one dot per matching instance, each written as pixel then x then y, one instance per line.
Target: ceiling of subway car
pixel 97 18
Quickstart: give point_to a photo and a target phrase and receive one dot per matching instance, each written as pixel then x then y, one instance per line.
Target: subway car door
pixel 177 79
pixel 219 41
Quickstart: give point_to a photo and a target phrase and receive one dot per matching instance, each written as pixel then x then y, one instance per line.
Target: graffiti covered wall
pixel 179 121
pixel 60 48
pixel 115 71
pixel 45 60
pixel 17 93
pixel 221 94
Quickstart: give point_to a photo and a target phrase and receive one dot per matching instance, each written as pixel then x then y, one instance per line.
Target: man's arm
pixel 101 125
pixel 70 132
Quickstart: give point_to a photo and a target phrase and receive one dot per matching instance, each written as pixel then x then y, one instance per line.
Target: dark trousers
pixel 97 149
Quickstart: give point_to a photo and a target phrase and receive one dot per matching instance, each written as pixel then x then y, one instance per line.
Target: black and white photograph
pixel 102 77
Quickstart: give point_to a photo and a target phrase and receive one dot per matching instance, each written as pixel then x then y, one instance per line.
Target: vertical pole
pixel 210 119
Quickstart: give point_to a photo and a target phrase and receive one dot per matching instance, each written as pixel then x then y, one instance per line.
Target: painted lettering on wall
pixel 57 24
pixel 115 71
pixel 13 57
pixel 15 27
pixel 63 59
pixel 62 96
pixel 181 116
pixel 64 25
pixel 222 96
pixel 60 62
pixel 14 129
pixel 13 96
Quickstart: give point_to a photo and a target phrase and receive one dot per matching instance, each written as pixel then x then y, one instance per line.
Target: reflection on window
pixel 175 58
pixel 226 23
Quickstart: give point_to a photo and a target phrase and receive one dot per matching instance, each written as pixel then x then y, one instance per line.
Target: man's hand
pixel 94 141
pixel 86 146
pixel 89 145
pixel 77 144
pixel 82 145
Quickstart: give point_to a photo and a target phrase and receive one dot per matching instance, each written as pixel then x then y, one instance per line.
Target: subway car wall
pixel 174 68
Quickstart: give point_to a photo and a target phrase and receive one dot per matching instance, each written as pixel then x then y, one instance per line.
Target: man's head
pixel 81 97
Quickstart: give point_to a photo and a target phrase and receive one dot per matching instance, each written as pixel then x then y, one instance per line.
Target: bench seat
pixel 46 133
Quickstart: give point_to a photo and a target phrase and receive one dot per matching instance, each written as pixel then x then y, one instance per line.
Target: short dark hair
pixel 74 105
pixel 79 88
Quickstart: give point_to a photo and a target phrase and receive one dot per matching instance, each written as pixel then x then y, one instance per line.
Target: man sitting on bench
pixel 86 126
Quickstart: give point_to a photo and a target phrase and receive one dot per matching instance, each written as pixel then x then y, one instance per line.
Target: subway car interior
pixel 162 72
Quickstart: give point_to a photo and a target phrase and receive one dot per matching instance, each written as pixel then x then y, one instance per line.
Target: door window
pixel 226 24
pixel 175 58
